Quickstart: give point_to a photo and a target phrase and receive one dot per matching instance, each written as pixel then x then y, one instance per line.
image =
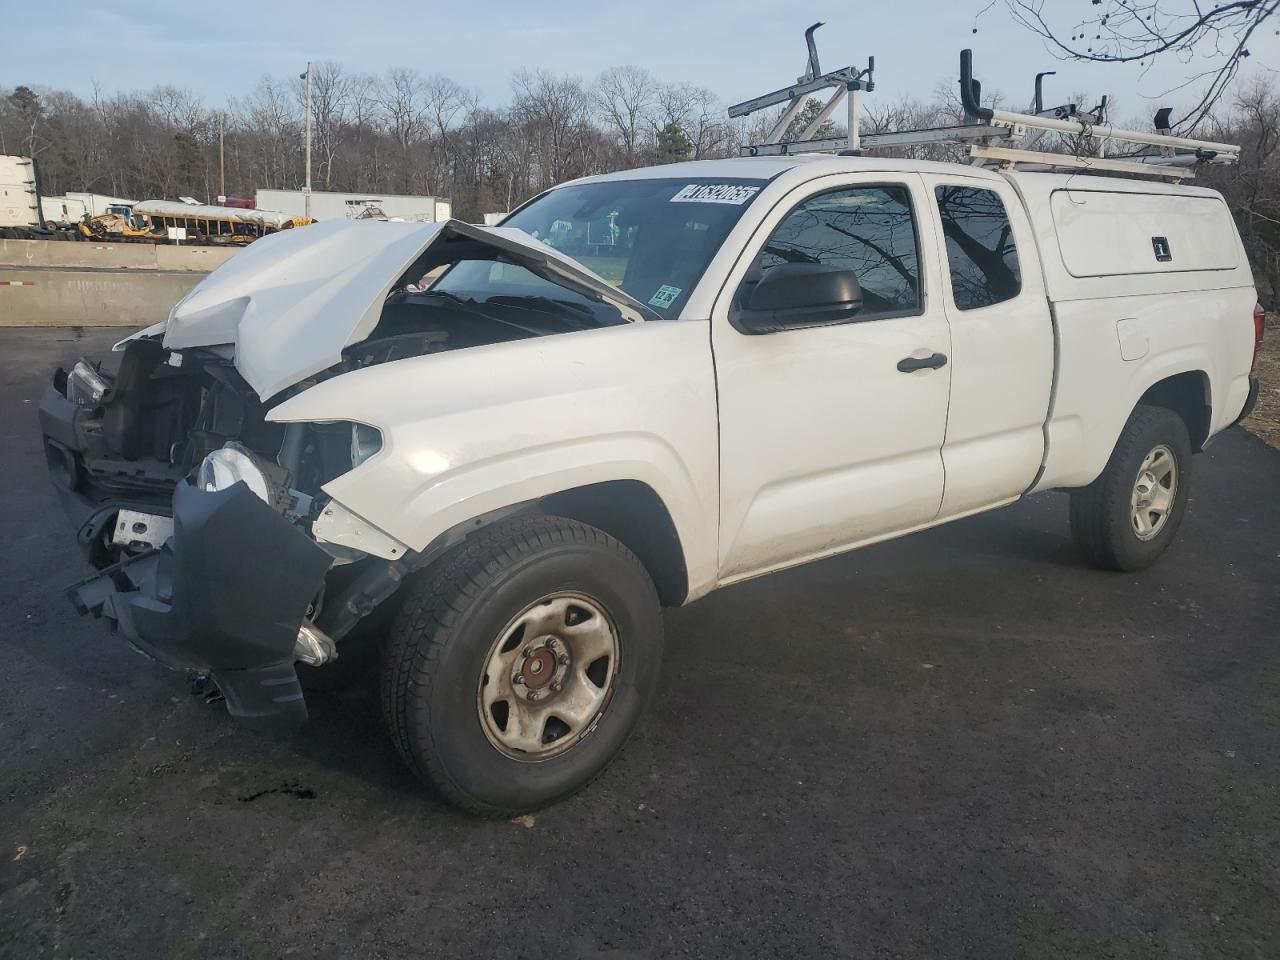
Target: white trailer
pixel 355 206
pixel 19 199
pixel 75 205
pixel 63 210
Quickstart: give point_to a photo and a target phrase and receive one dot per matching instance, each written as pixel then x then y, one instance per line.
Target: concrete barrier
pixel 201 259
pixel 91 284
pixel 89 298
pixel 95 255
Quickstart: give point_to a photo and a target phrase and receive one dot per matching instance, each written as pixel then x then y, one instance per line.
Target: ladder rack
pixel 993 136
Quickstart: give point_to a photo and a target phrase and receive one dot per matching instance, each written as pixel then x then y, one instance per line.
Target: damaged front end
pixel 216 547
pixel 168 470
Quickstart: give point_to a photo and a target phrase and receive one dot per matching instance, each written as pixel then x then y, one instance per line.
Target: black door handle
pixel 911 364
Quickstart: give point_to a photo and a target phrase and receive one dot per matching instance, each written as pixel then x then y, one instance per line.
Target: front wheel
pixel 1129 516
pixel 521 662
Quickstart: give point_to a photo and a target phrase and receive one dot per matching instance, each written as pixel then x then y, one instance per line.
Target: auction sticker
pixel 665 297
pixel 734 193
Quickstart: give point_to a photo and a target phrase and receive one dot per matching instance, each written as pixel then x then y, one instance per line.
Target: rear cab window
pixel 982 257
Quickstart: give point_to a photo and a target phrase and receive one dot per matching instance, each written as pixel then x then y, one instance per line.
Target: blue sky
pixel 738 49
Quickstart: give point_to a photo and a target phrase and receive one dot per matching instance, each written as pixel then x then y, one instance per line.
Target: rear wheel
pixel 1129 516
pixel 521 662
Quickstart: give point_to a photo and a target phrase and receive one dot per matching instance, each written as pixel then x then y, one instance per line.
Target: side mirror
pixel 798 295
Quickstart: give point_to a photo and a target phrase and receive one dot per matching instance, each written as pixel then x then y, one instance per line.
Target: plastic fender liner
pixel 225 595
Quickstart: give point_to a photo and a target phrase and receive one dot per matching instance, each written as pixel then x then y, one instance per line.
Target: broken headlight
pixel 85 385
pixel 267 481
pixel 226 466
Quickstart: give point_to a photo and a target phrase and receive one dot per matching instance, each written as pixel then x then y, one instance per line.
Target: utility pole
pixel 306 190
pixel 222 163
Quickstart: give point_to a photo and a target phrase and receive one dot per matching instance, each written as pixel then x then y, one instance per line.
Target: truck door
pixel 1002 346
pixel 831 428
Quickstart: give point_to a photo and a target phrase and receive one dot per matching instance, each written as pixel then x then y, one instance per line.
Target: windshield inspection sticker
pixel 733 193
pixel 665 297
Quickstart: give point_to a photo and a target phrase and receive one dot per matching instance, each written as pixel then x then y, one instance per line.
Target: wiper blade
pixel 445 294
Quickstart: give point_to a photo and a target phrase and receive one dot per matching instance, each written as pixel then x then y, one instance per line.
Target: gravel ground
pixel 1265 419
pixel 961 744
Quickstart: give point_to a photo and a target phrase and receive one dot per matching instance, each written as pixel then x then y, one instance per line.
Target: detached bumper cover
pixel 225 595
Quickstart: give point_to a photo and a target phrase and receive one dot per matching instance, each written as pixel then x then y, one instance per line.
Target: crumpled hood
pixel 291 302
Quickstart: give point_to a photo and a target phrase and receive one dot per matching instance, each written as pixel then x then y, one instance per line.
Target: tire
pixel 1105 518
pixel 485 605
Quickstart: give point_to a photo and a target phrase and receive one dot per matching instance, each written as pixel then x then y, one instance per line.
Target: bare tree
pixel 623 97
pixel 400 96
pixel 271 124
pixel 444 101
pixel 697 113
pixel 363 135
pixel 555 110
pixel 1252 189
pixel 179 108
pixel 330 100
pixel 1139 31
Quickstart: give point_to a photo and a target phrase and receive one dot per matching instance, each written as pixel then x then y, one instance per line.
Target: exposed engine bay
pixel 162 413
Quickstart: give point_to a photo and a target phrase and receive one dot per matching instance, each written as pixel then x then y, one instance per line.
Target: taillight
pixel 1259 321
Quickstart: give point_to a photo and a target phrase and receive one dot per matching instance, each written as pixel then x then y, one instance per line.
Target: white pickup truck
pixel 505 449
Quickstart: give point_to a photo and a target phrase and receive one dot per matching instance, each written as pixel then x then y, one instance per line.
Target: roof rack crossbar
pixel 1055 161
pixel 1177 157
pixel 1103 132
pixel 846 84
pixel 962 133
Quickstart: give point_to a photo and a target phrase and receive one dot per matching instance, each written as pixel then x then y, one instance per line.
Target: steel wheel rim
pixel 548 677
pixel 1154 491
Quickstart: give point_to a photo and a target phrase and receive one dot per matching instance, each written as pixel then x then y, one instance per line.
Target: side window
pixel 980 247
pixel 869 230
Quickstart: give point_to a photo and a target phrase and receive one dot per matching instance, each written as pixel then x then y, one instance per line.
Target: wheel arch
pixel 630 511
pixel 1189 395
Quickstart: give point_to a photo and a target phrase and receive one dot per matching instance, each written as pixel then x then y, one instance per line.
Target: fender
pixel 468 432
pixel 1112 350
pixel 1081 443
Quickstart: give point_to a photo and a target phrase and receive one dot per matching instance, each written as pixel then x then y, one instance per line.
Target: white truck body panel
pixel 878 467
pixel 18 198
pixel 475 430
pixel 333 205
pixel 766 450
pixel 63 210
pixel 1106 233
pixel 75 205
pixel 1119 333
pixel 98 203
pixel 1002 360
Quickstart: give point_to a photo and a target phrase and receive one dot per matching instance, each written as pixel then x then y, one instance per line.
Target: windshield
pixel 652 238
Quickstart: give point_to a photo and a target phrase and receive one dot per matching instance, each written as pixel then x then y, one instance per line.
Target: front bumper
pixel 225 595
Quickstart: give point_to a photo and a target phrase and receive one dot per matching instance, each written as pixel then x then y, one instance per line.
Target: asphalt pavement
pixel 964 743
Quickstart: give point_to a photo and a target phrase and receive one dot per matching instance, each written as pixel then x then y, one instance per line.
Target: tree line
pixel 400 132
pixel 403 132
